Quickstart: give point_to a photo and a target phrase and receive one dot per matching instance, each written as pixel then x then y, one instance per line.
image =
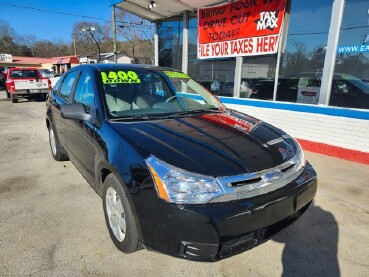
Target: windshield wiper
pixel 214 110
pixel 137 117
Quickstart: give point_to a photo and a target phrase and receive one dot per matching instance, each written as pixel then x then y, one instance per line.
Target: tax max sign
pixel 353 49
pixel 241 28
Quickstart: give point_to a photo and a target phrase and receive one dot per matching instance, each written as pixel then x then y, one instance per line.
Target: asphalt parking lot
pixel 52 224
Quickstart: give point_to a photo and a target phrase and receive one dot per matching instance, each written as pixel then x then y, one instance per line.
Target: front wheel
pixel 119 217
pixel 56 150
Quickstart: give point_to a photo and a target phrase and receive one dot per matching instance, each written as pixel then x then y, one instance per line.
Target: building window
pixel 350 86
pixel 171 43
pixel 257 77
pixel 217 75
pixel 301 62
pixel 302 58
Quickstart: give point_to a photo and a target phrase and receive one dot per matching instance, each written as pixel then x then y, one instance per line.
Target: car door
pixel 60 97
pixel 80 134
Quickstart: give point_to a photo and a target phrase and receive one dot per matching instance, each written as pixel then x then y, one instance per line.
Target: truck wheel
pixel 119 217
pixel 7 94
pixel 57 150
pixel 14 98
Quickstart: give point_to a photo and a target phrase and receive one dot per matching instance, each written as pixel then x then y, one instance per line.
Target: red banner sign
pixel 242 28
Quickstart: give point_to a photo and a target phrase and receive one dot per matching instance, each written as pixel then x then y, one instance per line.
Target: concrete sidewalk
pixel 52 224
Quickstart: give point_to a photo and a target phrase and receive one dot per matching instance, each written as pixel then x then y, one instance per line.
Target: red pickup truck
pixel 26 82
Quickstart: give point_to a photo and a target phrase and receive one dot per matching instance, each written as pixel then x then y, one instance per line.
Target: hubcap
pixel 116 215
pixel 52 141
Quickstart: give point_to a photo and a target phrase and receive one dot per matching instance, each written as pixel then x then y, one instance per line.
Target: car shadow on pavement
pixel 311 245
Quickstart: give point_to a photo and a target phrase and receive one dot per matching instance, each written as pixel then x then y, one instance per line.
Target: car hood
pixel 217 144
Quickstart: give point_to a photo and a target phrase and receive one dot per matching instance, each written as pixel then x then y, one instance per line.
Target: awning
pixel 66 60
pixel 163 8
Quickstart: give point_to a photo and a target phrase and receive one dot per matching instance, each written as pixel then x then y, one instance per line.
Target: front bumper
pixel 215 231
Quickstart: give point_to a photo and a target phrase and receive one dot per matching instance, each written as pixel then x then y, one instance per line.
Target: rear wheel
pixel 119 217
pixel 7 94
pixel 57 150
pixel 14 98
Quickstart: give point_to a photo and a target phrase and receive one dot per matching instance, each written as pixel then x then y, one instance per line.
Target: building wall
pixel 123 59
pixel 47 65
pixel 20 65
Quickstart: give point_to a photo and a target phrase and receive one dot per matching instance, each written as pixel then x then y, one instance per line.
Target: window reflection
pixel 216 75
pixel 302 60
pixel 350 88
pixel 171 43
pixel 257 77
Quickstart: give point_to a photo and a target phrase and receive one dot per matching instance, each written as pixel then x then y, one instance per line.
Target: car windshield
pixel 145 94
pixel 46 71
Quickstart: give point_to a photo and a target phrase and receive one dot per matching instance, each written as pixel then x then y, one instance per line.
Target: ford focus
pixel 177 171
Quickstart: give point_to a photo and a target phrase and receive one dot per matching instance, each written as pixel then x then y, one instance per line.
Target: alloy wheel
pixel 116 215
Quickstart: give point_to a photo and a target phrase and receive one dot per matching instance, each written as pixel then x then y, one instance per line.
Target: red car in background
pixel 26 82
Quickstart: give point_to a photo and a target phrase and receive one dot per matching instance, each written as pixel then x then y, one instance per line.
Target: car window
pixel 57 85
pixel 24 74
pixel 68 83
pixel 84 91
pixel 354 83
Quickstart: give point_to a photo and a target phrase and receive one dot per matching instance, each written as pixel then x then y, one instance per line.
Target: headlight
pixel 180 186
pixel 301 161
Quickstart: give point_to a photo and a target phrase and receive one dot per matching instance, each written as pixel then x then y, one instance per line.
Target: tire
pixel 119 217
pixel 57 150
pixel 14 98
pixel 7 94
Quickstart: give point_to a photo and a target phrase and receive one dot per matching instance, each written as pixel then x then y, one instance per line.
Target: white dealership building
pixel 314 86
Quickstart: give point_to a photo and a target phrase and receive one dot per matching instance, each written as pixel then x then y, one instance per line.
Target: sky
pixel 52 26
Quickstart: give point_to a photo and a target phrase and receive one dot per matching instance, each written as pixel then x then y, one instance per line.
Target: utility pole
pixel 75 49
pixel 114 34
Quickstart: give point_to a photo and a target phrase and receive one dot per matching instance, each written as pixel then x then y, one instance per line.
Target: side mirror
pixel 76 111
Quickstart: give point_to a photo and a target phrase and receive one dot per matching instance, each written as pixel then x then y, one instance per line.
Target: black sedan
pixel 178 172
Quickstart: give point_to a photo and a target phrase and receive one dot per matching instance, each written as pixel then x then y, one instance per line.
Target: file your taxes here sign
pixel 242 28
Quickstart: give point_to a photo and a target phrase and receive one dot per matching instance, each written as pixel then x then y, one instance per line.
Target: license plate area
pixel 34 91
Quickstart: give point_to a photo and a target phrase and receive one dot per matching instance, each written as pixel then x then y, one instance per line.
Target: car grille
pixel 254 184
pixel 257 191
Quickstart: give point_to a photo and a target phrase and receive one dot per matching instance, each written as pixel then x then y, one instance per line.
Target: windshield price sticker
pixel 174 74
pixel 120 77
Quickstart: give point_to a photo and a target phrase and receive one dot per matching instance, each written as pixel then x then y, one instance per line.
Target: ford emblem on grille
pixel 272 176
